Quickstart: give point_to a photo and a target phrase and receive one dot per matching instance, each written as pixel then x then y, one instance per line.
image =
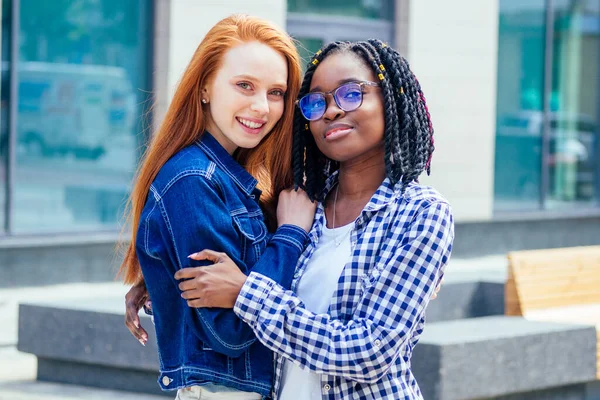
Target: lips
pixel 337 130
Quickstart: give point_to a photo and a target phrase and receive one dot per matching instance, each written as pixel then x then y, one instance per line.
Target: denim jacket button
pixel 166 380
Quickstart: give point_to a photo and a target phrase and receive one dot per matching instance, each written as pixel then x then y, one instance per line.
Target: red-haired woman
pixel 228 124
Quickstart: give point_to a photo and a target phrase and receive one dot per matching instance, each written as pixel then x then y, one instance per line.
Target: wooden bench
pixel 556 285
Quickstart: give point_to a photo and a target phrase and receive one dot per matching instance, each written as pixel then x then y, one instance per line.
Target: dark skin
pixel 135 299
pixel 359 147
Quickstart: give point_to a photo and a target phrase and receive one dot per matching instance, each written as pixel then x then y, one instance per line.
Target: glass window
pixel 314 23
pixel 371 9
pixel 4 110
pixel 82 79
pixel 573 164
pixel 519 124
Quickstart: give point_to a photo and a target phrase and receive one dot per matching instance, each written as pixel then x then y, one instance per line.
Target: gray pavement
pixel 51 391
pixel 18 370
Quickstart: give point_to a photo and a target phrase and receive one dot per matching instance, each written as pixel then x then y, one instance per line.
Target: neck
pixel 357 184
pixel 361 179
pixel 220 137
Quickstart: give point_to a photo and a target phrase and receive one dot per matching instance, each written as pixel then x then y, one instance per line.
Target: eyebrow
pixel 280 84
pixel 340 82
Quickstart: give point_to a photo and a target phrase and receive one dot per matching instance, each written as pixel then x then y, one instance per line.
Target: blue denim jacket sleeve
pixel 195 217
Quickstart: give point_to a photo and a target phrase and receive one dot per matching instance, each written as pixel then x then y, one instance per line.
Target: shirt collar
pixel 225 161
pixel 386 192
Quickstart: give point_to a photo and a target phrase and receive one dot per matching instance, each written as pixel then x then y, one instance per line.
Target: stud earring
pixel 204 101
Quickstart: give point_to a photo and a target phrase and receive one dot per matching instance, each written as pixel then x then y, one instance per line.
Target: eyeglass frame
pixel 333 92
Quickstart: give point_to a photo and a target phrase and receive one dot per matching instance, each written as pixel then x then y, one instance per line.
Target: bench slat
pixel 553 278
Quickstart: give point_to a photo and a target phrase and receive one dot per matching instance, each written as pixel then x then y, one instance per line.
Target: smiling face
pixel 353 135
pixel 246 96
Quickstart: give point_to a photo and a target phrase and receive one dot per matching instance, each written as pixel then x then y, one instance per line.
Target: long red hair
pixel 184 122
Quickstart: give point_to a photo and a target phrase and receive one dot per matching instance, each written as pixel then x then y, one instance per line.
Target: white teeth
pixel 250 124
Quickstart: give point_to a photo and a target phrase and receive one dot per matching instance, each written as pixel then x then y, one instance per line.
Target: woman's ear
pixel 205 96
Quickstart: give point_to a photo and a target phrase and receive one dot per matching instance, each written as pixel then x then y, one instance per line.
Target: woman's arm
pixel 364 348
pixel 295 214
pixel 190 214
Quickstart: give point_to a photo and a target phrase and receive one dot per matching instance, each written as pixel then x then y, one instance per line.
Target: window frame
pixel 331 28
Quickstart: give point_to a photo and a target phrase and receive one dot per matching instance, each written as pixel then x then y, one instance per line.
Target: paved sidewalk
pixel 52 391
pixel 17 382
pixel 18 370
pixel 10 299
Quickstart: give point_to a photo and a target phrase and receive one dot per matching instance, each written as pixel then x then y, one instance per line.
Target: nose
pixel 260 104
pixel 333 111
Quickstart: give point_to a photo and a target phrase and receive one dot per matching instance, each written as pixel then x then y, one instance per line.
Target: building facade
pixel 512 85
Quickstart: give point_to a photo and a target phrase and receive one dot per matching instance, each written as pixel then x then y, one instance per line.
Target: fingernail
pixel 142 342
pixel 191 255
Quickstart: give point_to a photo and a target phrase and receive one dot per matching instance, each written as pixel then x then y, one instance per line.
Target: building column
pixel 452 48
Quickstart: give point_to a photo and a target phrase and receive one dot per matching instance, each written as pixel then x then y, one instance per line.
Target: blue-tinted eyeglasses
pixel 348 97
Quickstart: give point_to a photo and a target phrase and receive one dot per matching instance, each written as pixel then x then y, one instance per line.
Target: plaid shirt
pixel 363 345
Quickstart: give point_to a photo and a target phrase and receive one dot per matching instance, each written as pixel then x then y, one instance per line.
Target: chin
pixel 248 143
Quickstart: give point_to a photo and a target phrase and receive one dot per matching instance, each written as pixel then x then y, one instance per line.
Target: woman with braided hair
pixel 378 246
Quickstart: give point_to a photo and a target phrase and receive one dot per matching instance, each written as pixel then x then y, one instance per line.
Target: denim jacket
pixel 203 199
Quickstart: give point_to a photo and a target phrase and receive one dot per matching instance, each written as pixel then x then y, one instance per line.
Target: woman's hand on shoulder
pixel 295 208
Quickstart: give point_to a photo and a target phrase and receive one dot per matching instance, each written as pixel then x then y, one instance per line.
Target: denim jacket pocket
pixel 253 232
pixel 252 228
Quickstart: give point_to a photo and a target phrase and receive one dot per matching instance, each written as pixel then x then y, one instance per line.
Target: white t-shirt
pixel 316 288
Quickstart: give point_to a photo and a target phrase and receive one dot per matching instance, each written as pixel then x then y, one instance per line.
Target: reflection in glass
pixel 4 107
pixel 372 9
pixel 82 65
pixel 573 163
pixel 517 180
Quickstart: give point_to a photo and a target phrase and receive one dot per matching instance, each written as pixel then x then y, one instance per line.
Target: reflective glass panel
pixel 573 163
pixel 371 9
pixel 518 161
pixel 82 80
pixel 4 110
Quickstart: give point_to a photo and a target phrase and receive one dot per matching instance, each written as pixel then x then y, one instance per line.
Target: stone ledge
pixel 497 356
pixel 90 332
pixel 86 343
pixel 467 299
pixel 105 377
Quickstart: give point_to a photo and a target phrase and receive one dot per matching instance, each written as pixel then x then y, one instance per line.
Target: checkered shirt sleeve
pixel 362 349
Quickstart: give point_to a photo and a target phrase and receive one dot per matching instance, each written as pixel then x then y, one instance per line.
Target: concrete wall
pixel 452 48
pixel 180 26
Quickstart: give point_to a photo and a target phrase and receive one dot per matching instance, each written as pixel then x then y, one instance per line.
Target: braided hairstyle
pixel 408 130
